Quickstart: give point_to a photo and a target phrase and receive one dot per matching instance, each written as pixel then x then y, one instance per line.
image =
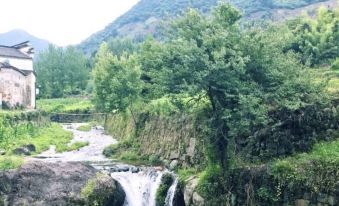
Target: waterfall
pixel 171 192
pixel 141 187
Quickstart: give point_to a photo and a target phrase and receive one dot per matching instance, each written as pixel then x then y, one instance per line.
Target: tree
pixel 117 83
pixel 120 46
pixel 317 39
pixel 243 73
pixel 61 72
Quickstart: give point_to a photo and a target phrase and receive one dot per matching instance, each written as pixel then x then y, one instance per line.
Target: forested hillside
pixel 144 17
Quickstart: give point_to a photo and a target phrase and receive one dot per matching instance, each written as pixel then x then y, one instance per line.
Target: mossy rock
pixel 103 191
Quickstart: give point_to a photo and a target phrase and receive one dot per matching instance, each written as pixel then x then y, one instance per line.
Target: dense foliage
pixel 65 105
pixel 317 40
pixel 117 82
pixel 239 75
pixel 61 72
pixel 247 86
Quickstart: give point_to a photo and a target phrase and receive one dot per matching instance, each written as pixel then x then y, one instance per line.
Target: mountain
pixel 146 15
pixel 17 36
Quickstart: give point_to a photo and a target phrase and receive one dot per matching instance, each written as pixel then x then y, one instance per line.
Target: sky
pixel 62 22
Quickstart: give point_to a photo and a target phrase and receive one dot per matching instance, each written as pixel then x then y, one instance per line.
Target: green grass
pixel 85 128
pixel 184 174
pixel 329 75
pixel 127 151
pixel 41 138
pixel 66 105
pixel 10 162
pixel 44 137
pixel 325 151
pixel 318 169
pixel 72 147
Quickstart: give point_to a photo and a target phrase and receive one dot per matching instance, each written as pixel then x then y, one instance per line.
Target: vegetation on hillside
pixel 248 85
pixel 61 72
pixel 317 40
pixel 163 9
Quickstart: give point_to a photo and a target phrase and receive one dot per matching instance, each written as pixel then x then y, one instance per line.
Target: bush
pixel 320 169
pixel 66 105
pixel 10 162
pixel 166 182
pixel 161 107
pixel 212 185
pixel 154 160
pixel 335 64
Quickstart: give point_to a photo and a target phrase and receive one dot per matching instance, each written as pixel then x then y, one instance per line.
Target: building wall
pixel 17 89
pixel 24 64
pixel 30 89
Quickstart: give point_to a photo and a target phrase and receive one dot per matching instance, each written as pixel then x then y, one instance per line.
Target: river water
pixel 140 183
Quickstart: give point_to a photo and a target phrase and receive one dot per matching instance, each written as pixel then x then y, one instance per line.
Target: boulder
pixel 174 155
pixel 21 151
pixel 191 196
pixel 24 150
pixel 174 164
pixel 42 183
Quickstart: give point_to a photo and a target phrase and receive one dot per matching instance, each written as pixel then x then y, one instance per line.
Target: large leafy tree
pixel 117 83
pixel 61 72
pixel 243 73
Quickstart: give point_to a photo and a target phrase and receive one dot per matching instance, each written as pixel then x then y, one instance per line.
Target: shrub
pixel 10 162
pixel 166 182
pixel 335 64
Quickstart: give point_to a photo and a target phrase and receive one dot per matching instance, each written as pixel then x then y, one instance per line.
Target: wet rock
pixel 24 150
pixel 122 168
pixel 191 196
pixel 99 128
pixel 21 151
pixel 302 202
pixel 178 199
pixel 159 168
pixel 134 169
pixel 174 155
pixel 30 147
pixel 41 183
pixel 174 164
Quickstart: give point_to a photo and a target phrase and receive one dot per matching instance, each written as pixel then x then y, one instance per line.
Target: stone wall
pixel 256 186
pixel 17 89
pixel 175 140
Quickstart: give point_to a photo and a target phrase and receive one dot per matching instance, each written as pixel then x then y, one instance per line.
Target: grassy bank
pixel 65 105
pixel 318 170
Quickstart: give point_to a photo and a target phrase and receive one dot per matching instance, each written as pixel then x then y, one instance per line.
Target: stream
pixel 140 183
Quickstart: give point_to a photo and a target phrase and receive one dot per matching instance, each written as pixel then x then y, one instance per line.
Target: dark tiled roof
pixel 5 65
pixel 6 51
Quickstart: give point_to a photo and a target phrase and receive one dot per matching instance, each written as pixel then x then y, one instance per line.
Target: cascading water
pixel 139 184
pixel 171 192
pixel 141 187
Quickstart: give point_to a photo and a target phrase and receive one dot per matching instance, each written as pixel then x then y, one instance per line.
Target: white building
pixel 17 77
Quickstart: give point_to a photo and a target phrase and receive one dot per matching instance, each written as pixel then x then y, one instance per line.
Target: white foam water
pixel 141 187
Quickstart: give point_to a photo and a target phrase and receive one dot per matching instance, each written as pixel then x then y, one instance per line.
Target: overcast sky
pixel 62 22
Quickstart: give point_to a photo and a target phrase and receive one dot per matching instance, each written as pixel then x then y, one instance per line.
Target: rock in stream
pixel 59 184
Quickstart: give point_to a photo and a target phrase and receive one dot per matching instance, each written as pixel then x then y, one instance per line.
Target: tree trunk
pixel 133 114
